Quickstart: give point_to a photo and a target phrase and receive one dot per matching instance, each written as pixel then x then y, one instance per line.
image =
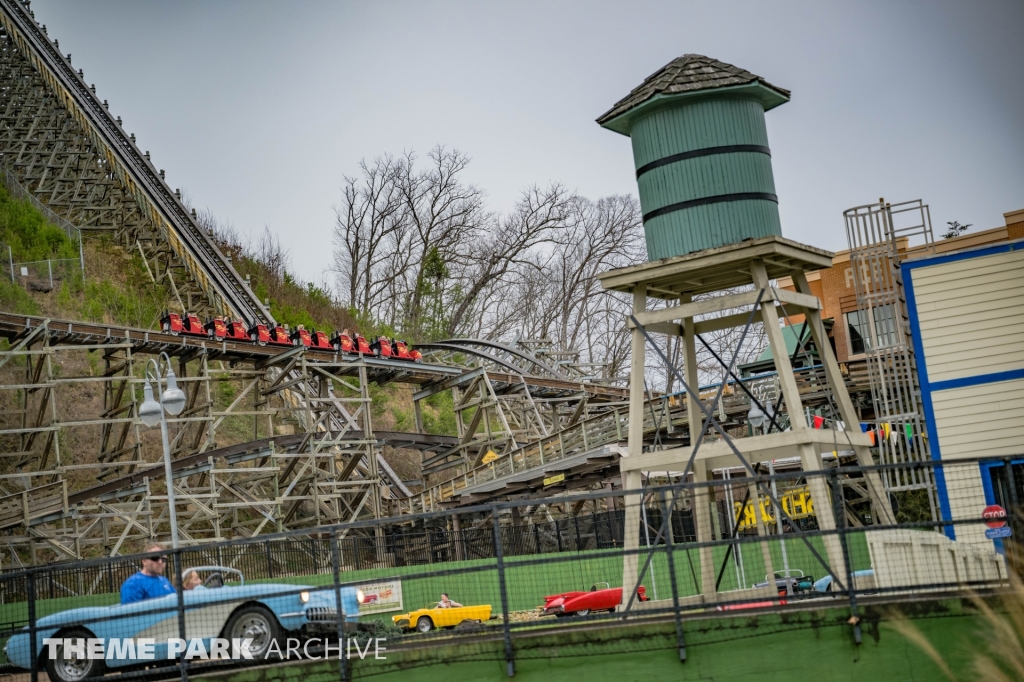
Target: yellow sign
pixel 489 457
pixel 558 478
pixel 796 503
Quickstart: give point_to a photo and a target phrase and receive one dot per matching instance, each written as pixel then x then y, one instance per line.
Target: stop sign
pixel 994 515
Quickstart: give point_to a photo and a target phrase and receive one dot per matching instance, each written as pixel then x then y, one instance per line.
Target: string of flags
pixel 876 432
pixel 887 431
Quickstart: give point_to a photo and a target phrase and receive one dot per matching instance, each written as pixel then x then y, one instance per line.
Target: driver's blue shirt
pixel 141 586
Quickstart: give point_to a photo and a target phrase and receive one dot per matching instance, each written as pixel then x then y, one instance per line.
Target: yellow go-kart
pixel 430 617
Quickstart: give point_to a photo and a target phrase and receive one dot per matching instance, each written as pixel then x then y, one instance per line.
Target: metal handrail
pixel 519 459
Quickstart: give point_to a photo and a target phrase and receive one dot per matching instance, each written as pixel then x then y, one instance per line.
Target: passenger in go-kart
pixel 192 581
pixel 149 582
pixel 447 603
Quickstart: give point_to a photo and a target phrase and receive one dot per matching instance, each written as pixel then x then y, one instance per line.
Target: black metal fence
pixel 677 552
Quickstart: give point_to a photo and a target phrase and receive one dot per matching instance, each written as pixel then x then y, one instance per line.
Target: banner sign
pixel 796 502
pixel 381 596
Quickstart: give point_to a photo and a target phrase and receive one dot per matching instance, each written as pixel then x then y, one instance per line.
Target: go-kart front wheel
pixel 74 669
pixel 255 623
pixel 424 624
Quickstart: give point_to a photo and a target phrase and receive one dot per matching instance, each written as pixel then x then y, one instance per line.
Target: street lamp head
pixel 756 416
pixel 173 398
pixel 150 411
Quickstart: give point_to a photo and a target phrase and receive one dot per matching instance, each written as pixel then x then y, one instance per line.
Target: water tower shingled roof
pixel 690 73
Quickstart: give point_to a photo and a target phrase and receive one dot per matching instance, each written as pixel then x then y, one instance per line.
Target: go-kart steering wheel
pixel 214 580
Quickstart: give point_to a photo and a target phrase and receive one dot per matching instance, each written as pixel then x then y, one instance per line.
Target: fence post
pixel 81 255
pixel 181 611
pixel 33 651
pixel 270 562
pixel 10 257
pixel 510 666
pixel 839 508
pixel 49 268
pixel 1013 514
pixel 669 550
pixel 340 615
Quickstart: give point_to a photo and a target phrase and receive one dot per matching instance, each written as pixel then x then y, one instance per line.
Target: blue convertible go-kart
pixel 255 615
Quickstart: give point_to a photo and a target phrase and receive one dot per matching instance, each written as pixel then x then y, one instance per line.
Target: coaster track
pixel 381 370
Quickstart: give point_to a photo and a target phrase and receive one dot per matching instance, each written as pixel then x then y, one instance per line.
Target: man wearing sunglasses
pixel 150 581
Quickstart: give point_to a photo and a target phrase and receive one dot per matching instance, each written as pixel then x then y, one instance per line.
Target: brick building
pixel 835 286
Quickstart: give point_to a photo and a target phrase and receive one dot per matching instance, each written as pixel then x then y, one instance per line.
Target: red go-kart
pixel 584 603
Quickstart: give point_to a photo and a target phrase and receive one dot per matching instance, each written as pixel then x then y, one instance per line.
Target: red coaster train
pixel 353 343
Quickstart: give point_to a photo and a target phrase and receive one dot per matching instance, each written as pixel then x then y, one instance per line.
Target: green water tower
pixel 700 147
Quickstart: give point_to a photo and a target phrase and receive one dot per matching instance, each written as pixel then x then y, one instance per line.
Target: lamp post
pixel 172 400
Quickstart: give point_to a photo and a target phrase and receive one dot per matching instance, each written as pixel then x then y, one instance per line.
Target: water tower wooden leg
pixel 702 499
pixel 631 480
pixel 702 523
pixel 879 499
pixel 810 459
pixel 787 380
pixel 762 531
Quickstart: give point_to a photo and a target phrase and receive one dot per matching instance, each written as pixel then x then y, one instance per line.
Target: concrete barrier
pixel 910 558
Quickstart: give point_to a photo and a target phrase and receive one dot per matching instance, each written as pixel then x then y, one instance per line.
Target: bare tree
pixel 554 294
pixel 368 234
pixel 445 215
pixel 537 219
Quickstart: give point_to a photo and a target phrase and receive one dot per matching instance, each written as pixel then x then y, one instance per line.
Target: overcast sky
pixel 258 109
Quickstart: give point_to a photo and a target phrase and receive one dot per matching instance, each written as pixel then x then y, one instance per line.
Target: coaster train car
pixel 346 342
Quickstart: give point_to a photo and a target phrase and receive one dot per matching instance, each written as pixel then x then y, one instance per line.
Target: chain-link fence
pixel 43 275
pixel 487 576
